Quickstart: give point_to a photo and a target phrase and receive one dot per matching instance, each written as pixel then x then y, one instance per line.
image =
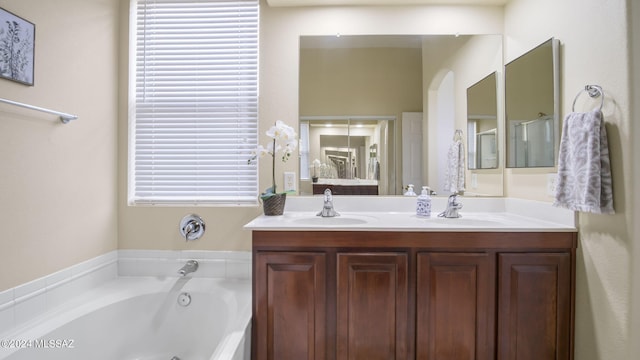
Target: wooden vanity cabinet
pixel 291 313
pixel 413 295
pixel 372 306
pixel 535 302
pixel 455 305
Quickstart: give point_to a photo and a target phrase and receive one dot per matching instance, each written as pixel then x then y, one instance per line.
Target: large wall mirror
pixel 367 107
pixel 482 124
pixel 532 107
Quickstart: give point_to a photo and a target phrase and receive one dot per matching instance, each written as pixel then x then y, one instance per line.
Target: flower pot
pixel 274 205
pixel 314 179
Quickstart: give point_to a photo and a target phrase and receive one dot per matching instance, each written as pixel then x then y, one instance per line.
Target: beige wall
pixel 156 227
pixel 58 190
pixel 280 29
pixel 604 255
pixel 349 81
pixel 589 55
pixel 58 185
pixel 634 198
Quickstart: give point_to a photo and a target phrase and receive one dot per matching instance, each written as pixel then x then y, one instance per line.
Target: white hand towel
pixel 584 170
pixel 454 173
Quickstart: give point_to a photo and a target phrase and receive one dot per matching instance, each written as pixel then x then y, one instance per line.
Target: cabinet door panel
pixel 534 306
pixel 372 306
pixel 290 306
pixel 455 306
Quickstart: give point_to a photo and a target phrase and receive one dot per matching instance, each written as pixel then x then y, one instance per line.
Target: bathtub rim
pixel 22 303
pixel 114 291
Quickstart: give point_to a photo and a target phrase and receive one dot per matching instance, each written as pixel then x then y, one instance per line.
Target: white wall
pixel 58 183
pixel 594 43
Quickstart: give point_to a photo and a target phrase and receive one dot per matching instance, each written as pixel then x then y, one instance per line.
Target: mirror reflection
pixel 482 124
pixel 348 155
pixel 532 107
pixel 409 88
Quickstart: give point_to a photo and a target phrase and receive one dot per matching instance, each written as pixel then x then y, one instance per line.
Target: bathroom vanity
pixel 394 286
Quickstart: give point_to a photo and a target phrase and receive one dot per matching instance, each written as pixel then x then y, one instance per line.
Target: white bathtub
pixel 139 318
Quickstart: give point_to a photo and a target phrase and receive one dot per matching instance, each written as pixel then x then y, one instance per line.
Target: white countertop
pixel 396 214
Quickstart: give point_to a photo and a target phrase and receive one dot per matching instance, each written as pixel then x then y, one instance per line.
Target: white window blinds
pixel 194 117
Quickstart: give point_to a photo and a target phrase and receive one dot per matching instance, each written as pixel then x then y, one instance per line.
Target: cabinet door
pixel 534 313
pixel 290 306
pixel 455 306
pixel 372 306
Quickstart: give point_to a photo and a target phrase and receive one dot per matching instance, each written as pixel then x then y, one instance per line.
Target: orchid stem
pixel 273 166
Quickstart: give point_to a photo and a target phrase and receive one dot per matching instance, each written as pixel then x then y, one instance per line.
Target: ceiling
pixel 383 2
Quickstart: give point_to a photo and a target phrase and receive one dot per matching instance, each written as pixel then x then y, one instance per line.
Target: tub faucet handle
pixel 192 227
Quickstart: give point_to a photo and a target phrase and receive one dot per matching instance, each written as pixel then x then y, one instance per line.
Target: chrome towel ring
pixel 594 91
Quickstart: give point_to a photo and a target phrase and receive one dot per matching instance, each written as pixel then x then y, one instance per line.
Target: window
pixel 305 165
pixel 194 102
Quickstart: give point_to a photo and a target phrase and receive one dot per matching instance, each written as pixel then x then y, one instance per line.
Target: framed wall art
pixel 17 47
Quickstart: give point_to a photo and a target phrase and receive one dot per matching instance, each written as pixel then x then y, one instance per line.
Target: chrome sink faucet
pixel 189 267
pixel 327 208
pixel 452 208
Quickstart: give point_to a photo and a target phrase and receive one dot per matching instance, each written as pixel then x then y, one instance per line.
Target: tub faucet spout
pixel 189 267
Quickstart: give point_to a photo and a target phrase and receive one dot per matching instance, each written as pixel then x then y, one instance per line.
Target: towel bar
pixel 64 117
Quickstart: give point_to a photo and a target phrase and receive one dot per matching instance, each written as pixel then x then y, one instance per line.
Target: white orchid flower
pixel 282 134
pixel 282 131
pixel 261 151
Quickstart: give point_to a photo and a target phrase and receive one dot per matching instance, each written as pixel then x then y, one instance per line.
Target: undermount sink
pixel 343 220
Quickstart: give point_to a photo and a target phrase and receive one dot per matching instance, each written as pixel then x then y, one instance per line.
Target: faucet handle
pixel 192 227
pixel 454 200
pixel 452 207
pixel 328 196
pixel 327 207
